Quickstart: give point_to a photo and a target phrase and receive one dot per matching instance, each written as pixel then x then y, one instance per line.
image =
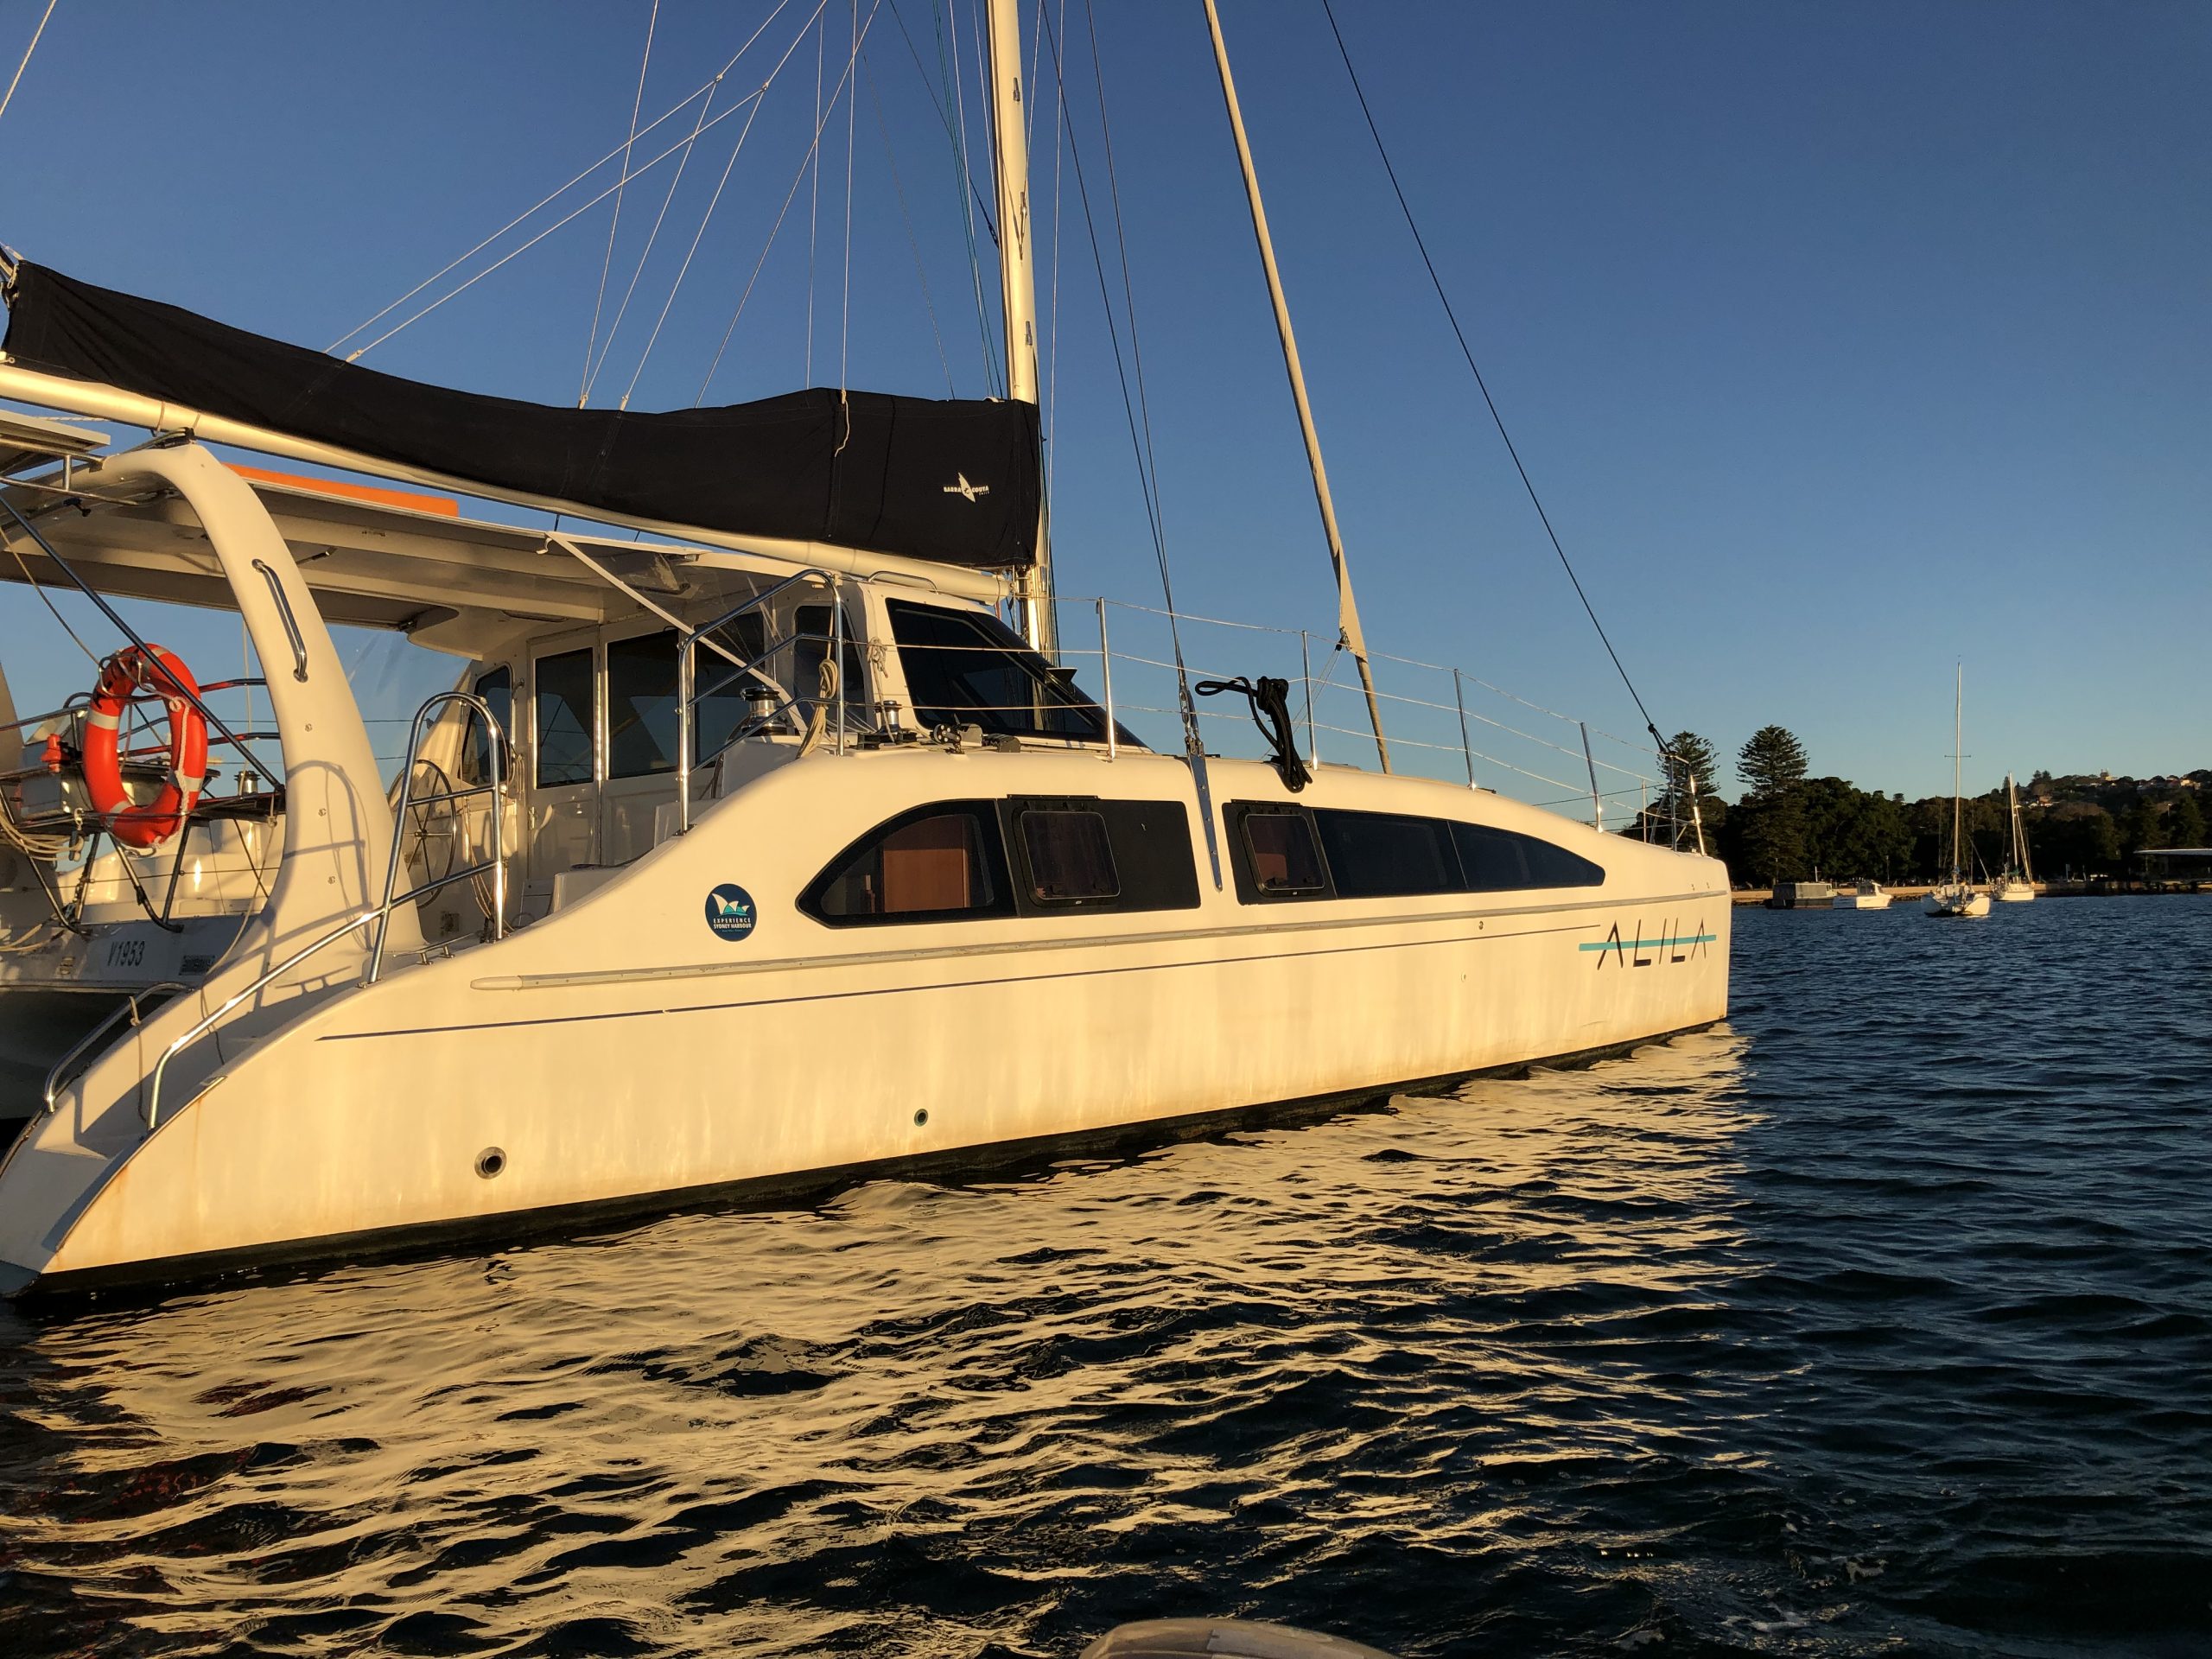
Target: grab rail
pixel 360 919
pixel 379 914
pixel 77 1050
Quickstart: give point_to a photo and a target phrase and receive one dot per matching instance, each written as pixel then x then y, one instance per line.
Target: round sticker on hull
pixel 730 913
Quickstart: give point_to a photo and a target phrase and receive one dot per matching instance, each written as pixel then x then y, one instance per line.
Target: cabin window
pixel 1071 860
pixel 1287 852
pixel 1081 852
pixel 1501 860
pixel 641 716
pixel 497 689
pixel 561 704
pixel 943 862
pixel 1382 854
pixel 968 668
pixel 1282 858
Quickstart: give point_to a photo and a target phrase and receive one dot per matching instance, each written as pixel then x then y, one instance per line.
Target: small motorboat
pixel 1865 894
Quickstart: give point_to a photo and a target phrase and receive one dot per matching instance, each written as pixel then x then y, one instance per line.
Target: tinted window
pixel 1070 858
pixel 968 668
pixel 1379 854
pixel 641 705
pixel 1382 855
pixel 938 864
pixel 561 700
pixel 1501 860
pixel 1284 860
pixel 497 689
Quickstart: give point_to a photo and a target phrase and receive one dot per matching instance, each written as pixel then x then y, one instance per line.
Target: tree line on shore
pixel 1789 826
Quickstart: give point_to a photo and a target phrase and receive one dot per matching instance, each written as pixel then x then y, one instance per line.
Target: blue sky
pixel 1842 343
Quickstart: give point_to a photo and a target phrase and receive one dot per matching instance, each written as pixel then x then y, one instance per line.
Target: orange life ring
pixel 128 676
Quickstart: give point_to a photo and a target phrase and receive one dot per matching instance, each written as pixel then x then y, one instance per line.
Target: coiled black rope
pixel 1270 703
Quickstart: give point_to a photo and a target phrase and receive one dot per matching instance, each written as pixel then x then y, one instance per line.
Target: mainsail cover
pixel 952 481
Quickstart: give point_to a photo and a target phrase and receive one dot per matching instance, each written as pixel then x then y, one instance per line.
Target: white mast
pixel 1018 286
pixel 1347 610
pixel 1958 799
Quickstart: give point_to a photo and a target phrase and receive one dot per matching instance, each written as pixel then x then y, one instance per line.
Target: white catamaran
pixel 750 851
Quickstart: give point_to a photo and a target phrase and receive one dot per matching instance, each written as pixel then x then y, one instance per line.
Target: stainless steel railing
pixel 378 915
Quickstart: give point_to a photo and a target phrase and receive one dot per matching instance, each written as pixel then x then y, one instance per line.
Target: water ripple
pixel 1877 1322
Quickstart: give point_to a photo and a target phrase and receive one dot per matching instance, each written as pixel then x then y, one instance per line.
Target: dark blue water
pixel 1880 1322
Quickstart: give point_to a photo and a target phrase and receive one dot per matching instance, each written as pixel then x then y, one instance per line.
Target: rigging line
pixel 789 196
pixel 568 218
pixel 15 553
pixel 1052 323
pixel 976 195
pixel 669 114
pixel 814 191
pixel 713 202
pixel 1467 352
pixel 9 97
pixel 845 324
pixel 637 105
pixel 906 218
pixel 1121 240
pixel 1145 481
pixel 948 13
pixel 1147 484
pixel 653 236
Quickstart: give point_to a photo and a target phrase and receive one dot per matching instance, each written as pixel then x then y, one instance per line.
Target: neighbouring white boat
pixel 1865 894
pixel 744 858
pixel 2017 885
pixel 1957 896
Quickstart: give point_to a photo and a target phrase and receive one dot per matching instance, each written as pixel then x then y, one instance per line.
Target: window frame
pixel 1155 863
pixel 1019 818
pixel 990 847
pixel 590 652
pixel 1249 890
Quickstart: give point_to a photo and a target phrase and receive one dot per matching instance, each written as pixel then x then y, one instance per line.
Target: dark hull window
pixel 1284 861
pixel 1294 853
pixel 1070 860
pixel 561 698
pixel 967 668
pixel 1381 855
pixel 937 863
pixel 1500 861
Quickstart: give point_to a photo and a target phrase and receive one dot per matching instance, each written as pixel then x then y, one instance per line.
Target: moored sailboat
pixel 2016 886
pixel 1956 895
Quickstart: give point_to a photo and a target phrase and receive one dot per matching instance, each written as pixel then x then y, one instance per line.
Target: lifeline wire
pixel 1452 317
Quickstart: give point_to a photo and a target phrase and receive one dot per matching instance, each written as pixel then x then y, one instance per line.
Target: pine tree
pixel 1772 834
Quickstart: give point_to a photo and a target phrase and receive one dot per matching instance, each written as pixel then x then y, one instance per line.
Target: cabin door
pixel 566 756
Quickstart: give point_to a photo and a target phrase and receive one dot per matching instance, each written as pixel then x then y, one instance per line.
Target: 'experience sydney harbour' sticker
pixel 730 911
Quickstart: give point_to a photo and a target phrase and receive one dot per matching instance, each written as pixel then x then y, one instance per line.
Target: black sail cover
pixel 956 481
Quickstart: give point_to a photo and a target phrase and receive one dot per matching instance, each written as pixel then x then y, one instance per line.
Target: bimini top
pixel 956 481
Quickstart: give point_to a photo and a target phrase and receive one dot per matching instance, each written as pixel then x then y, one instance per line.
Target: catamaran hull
pixel 621 1056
